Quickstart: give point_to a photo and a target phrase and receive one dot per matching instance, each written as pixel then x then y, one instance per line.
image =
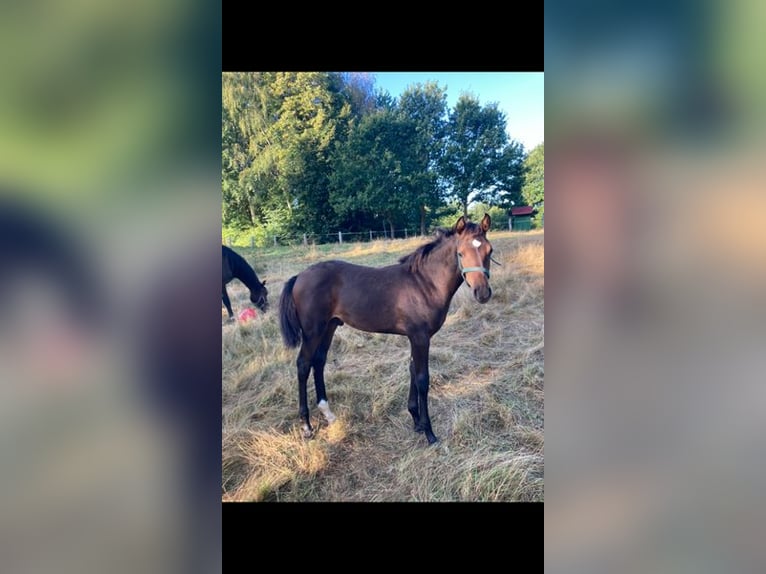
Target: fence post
pixel 510 225
pixel 405 233
pixel 340 237
pixel 370 234
pixel 304 240
pixel 275 241
pixel 252 241
pixel 229 240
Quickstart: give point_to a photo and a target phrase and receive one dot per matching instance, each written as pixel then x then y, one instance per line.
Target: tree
pixel 507 192
pixel 278 130
pixel 359 90
pixel 475 165
pixel 250 154
pixel 425 106
pixel 533 189
pixel 313 115
pixel 372 170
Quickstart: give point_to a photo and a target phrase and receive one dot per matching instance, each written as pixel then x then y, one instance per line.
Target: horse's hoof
pixel 307 433
pixel 432 440
pixel 328 414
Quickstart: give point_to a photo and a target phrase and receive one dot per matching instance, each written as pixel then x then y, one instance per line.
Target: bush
pixel 476 211
pixel 241 237
pixel 447 217
pixel 498 215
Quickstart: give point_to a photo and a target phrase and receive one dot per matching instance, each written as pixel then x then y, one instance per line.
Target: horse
pixel 235 267
pixel 410 298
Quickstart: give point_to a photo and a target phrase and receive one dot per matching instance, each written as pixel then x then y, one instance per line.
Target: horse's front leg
pixel 412 402
pixel 227 304
pixel 420 346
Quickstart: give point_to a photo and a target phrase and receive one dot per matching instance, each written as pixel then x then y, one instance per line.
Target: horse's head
pixel 260 297
pixel 473 256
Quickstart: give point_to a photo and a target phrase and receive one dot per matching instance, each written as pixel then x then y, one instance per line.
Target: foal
pixel 410 298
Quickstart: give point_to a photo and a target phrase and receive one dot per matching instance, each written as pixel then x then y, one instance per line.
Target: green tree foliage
pixel 533 190
pixel 250 154
pixel 314 114
pixel 507 191
pixel 373 171
pixel 318 152
pixel 479 163
pixel 277 133
pixel 425 107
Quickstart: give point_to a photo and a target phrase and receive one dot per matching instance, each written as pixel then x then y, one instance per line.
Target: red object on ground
pixel 247 314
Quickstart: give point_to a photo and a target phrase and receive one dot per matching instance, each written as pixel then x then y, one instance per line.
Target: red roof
pixel 523 210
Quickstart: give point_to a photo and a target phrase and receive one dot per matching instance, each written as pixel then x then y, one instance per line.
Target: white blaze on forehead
pixel 476 243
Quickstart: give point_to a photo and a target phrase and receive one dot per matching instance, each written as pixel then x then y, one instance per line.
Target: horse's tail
pixel 288 315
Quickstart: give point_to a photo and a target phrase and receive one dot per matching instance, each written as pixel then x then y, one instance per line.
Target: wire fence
pixel 343 236
pixel 335 237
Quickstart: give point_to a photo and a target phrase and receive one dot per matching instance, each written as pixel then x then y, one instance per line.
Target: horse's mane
pixel 241 269
pixel 417 258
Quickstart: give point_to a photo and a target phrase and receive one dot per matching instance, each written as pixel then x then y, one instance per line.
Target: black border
pixel 458 39
pixel 476 527
pixel 463 39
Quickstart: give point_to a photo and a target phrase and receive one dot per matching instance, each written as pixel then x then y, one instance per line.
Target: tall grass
pixel 486 398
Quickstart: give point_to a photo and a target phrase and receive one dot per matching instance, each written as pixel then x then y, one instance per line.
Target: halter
pixel 464 270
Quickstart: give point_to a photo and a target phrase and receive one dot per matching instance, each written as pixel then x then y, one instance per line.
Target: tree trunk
pixel 422 219
pixel 251 211
pixel 391 223
pixel 465 207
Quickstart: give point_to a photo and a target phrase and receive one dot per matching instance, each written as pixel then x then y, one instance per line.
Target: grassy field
pixel 486 397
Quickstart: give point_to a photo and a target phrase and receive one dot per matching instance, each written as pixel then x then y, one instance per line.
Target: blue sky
pixel 519 95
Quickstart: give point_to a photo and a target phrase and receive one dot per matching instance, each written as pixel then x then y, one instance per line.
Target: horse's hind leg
pixel 318 363
pixel 304 368
pixel 305 357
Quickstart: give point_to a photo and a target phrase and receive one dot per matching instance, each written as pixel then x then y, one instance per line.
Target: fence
pixel 337 237
pixel 347 236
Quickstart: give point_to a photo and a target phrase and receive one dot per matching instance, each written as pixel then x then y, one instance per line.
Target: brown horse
pixel 410 298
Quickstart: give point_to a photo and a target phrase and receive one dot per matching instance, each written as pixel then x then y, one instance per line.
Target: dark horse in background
pixel 410 298
pixel 235 267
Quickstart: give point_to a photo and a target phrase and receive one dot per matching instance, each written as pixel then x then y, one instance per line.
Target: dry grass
pixel 486 398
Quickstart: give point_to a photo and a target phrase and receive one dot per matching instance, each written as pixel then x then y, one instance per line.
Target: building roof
pixel 523 210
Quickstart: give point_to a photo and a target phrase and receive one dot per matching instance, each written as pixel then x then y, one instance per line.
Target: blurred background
pixel 656 286
pixel 109 224
pixel 110 207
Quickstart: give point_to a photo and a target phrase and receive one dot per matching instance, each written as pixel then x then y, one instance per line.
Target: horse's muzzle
pixel 262 303
pixel 483 294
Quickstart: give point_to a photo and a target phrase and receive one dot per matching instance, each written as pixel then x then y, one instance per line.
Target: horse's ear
pixel 264 283
pixel 460 225
pixel 485 222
